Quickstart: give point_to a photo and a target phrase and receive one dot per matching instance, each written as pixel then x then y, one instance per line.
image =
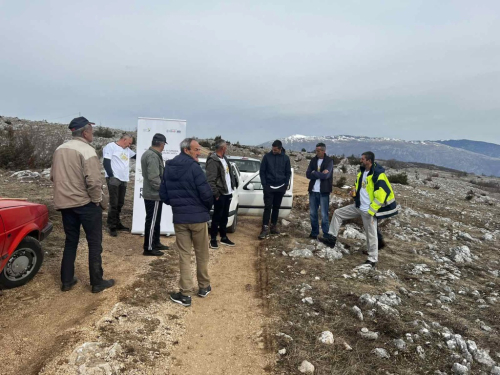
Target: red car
pixel 22 226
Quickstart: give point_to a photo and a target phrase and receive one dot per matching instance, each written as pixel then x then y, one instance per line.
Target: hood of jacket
pixel 375 170
pixel 177 166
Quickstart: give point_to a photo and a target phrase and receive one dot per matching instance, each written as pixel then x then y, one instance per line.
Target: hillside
pixel 485 148
pixel 386 148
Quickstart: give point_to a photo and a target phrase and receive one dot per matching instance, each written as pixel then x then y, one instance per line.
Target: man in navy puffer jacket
pixel 186 190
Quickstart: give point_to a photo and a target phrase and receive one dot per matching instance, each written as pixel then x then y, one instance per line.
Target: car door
pixel 2 238
pixel 251 196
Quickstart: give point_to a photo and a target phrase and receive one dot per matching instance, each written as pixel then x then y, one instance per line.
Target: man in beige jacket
pixel 78 194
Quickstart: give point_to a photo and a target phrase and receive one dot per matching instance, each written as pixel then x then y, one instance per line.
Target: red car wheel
pixel 23 264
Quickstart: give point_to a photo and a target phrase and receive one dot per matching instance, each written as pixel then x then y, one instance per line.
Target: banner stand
pixel 175 132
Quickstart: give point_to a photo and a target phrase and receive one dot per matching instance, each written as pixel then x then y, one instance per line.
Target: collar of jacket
pixel 156 152
pixel 216 157
pixel 81 139
pixel 185 156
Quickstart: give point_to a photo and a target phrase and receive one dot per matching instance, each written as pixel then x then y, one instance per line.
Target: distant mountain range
pixel 463 155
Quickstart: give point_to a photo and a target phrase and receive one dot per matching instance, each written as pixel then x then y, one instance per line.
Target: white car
pixel 248 197
pixel 247 166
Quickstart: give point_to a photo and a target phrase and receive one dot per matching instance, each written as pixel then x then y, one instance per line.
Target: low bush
pixel 103 132
pixel 400 178
pixel 341 182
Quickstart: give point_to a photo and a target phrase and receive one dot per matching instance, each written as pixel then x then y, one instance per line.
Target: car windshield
pixel 251 166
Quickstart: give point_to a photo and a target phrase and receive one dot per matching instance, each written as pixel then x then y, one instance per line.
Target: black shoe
pixel 105 284
pixel 370 263
pixel 213 244
pixel 203 292
pixel 122 227
pixel 68 287
pixel 264 233
pixel 153 253
pixel 113 232
pixel 160 246
pixel 314 237
pixel 226 241
pixel 274 229
pixel 181 299
pixel 329 241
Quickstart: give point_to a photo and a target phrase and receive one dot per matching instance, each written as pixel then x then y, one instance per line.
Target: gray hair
pixel 78 132
pixel 186 143
pixel 219 144
pixel 126 136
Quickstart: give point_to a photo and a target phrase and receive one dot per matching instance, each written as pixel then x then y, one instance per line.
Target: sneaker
pixel 105 284
pixel 314 237
pixel 264 233
pixel 274 229
pixel 113 232
pixel 213 244
pixel 153 253
pixel 181 299
pixel 67 287
pixel 329 241
pixel 122 227
pixel 160 246
pixel 203 292
pixel 370 264
pixel 226 241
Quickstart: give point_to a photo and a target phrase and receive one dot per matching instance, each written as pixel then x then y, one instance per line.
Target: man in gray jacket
pixel 221 179
pixel 152 166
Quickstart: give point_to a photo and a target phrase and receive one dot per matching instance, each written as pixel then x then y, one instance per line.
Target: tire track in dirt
pixel 224 333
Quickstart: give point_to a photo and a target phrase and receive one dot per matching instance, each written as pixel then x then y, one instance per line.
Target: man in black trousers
pixel 152 166
pixel 275 173
pixel 221 179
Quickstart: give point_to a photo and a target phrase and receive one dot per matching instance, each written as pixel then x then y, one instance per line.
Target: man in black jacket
pixel 275 173
pixel 320 174
pixel 221 179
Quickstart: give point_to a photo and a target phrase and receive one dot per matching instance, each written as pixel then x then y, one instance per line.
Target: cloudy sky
pixel 252 71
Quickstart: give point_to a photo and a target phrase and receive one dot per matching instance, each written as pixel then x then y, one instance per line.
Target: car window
pixel 249 166
pixel 236 179
pixel 255 182
pixel 203 167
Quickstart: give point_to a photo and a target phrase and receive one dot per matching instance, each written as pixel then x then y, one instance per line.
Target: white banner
pixel 175 132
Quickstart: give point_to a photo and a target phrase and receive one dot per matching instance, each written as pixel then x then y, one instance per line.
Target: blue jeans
pixel 315 201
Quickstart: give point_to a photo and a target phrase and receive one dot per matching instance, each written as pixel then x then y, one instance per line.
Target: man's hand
pixel 217 198
pixel 326 171
pixel 113 181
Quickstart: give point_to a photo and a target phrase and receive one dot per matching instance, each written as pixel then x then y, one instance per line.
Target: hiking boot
pixel 274 229
pixel 105 284
pixel 203 292
pixel 264 233
pixel 122 227
pixel 213 244
pixel 113 232
pixel 160 246
pixel 69 286
pixel 152 253
pixel 370 263
pixel 329 241
pixel 181 299
pixel 226 241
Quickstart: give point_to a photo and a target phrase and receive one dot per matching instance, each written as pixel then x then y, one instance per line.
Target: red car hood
pixel 15 203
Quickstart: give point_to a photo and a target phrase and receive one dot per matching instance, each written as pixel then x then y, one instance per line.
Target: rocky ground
pixel 292 305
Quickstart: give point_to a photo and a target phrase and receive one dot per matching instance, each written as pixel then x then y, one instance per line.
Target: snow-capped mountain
pixel 430 152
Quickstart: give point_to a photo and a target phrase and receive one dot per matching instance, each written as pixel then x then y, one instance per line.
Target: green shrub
pixel 353 160
pixel 400 178
pixel 303 150
pixel 343 169
pixel 103 132
pixel 341 182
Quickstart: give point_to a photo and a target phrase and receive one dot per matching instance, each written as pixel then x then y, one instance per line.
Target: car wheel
pixel 232 228
pixel 23 264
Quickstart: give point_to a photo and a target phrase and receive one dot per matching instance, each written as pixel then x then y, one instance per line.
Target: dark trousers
pixel 90 217
pixel 152 227
pixel 116 201
pixel 272 201
pixel 221 213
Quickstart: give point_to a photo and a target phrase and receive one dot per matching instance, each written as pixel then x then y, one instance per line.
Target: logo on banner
pixel 146 129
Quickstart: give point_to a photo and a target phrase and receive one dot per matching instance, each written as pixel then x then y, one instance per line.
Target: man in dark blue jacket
pixel 186 190
pixel 275 173
pixel 320 174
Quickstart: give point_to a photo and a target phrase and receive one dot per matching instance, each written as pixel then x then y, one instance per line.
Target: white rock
pixel 326 337
pixel 351 232
pixel 461 254
pixel 367 301
pixel 420 352
pixel 400 344
pixel 282 351
pixel 459 369
pixel 386 311
pixel 483 357
pixel 381 353
pixel 357 312
pixel 285 223
pixel 308 300
pixel 306 367
pixel 390 298
pixel 369 335
pixel 301 253
pixel 495 370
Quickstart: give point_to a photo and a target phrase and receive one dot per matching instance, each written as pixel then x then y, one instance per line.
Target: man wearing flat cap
pixel 152 166
pixel 78 194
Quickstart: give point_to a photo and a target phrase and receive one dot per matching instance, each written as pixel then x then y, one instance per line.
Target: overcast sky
pixel 252 71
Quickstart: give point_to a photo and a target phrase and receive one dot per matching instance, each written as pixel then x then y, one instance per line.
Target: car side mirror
pixel 250 187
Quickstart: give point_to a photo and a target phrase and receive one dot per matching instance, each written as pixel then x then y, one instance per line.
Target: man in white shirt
pixel 220 177
pixel 116 159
